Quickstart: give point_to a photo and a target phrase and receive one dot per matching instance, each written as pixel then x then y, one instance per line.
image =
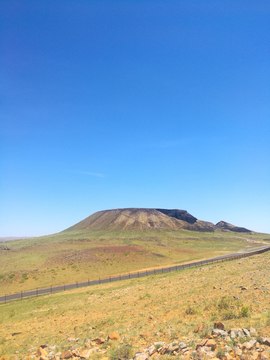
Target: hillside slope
pixel 143 218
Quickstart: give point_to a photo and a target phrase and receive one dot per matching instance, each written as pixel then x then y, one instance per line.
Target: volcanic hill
pixel 143 218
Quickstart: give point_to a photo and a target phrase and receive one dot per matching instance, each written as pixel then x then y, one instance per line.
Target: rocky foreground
pixel 236 343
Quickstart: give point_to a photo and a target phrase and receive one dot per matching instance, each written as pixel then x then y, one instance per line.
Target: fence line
pixel 138 274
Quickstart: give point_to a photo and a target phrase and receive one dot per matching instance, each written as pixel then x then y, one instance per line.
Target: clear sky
pixel 113 104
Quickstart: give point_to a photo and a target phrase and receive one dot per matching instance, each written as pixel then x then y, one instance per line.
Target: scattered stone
pixel 202 343
pixel 85 354
pixel 140 356
pixel 151 350
pixel 199 328
pixel 249 345
pixel 246 332
pixel 114 336
pixel 99 341
pixel 66 355
pixel 219 325
pixel 41 351
pixel 266 341
pixel 218 332
pixel 211 343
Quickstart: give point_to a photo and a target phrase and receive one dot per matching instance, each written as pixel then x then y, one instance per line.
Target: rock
pixel 201 344
pixel 41 352
pixel 73 339
pixel 182 345
pixel 140 356
pixel 66 355
pixel 218 332
pixel 266 341
pixel 252 332
pixel 219 325
pixel 211 343
pixel 114 336
pixel 199 328
pixel 249 344
pixel 151 350
pixel 237 351
pixel 240 333
pixel 85 354
pixel 99 341
pixel 163 350
pixel 246 332
pixel 228 348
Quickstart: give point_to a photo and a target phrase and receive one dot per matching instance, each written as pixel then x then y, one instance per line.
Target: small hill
pixel 224 226
pixel 143 218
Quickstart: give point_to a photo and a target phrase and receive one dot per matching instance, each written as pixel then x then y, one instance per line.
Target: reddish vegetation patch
pixel 98 253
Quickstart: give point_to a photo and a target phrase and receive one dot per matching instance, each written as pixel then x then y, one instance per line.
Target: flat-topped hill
pixel 144 218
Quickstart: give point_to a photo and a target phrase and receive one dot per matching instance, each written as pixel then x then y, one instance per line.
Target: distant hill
pixel 143 218
pixel 9 238
pixel 223 225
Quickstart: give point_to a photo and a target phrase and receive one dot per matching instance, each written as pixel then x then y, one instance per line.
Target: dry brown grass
pixel 162 307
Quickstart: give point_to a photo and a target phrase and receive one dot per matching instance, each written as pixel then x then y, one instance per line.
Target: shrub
pixel 122 352
pixel 224 303
pixel 244 312
pixel 220 353
pixel 190 310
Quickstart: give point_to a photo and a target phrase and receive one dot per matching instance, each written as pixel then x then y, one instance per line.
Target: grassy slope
pixel 77 256
pixel 176 301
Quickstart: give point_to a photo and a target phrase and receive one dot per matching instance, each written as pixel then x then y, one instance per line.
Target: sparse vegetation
pixel 123 352
pixel 81 255
pixel 170 307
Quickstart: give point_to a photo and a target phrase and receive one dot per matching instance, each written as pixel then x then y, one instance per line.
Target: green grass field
pixel 68 257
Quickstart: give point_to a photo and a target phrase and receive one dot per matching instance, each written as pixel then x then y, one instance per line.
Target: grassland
pixel 81 255
pixel 163 307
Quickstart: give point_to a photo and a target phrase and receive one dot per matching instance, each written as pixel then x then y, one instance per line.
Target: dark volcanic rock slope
pixel 140 218
pixel 223 225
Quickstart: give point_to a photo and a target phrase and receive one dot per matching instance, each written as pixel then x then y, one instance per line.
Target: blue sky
pixel 112 104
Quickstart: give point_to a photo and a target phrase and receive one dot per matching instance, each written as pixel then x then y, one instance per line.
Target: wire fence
pixel 133 275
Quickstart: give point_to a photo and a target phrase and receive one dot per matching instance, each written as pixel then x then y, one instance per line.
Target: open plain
pixel 162 308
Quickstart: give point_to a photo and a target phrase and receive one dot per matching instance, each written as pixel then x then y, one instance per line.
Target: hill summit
pixel 144 218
